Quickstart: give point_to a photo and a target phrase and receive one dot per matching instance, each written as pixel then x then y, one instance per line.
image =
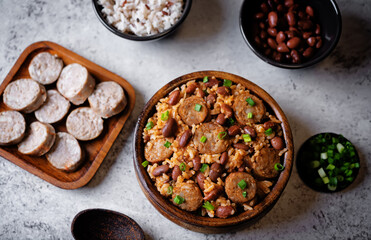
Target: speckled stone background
pixel 335 96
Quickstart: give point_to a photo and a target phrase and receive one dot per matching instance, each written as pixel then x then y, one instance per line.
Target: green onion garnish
pixel 182 167
pixel 356 165
pixel 203 139
pixel 340 178
pixel 325 180
pixel 246 137
pixel 167 144
pixel 348 173
pixel 204 167
pixel 314 164
pixel 206 79
pixel 244 194
pixel 321 173
pixel 149 125
pixel 349 179
pixel 330 167
pixel 324 155
pixel 145 163
pixel 208 206
pixel 178 199
pixel 250 101
pixel 198 107
pixel 268 132
pixel 165 116
pixel 169 190
pixel 340 147
pixel 227 83
pixel 331 187
pixel 278 167
pixel 242 184
pixel 249 115
pixel 222 135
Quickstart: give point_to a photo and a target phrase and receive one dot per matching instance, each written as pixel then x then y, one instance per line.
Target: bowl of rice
pixel 142 20
pixel 213 151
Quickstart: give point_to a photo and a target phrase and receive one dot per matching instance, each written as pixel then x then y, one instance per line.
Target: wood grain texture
pixel 190 220
pixel 95 150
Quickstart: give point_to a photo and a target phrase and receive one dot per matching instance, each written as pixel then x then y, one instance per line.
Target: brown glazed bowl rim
pixel 190 220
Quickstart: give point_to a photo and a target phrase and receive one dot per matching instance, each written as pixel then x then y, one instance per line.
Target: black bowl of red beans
pixel 291 33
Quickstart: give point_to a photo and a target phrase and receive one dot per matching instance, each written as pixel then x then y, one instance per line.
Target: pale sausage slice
pixel 235 192
pixel 108 99
pixel 66 153
pixel 45 68
pixel 213 144
pixel 24 95
pixel 39 139
pixel 189 114
pixel 54 108
pixel 155 150
pixel 75 83
pixel 84 124
pixel 263 162
pixel 242 109
pixel 12 127
pixel 191 194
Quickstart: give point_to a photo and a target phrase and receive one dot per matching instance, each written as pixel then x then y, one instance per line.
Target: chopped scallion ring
pixel 246 137
pixel 178 199
pixel 268 132
pixel 321 173
pixel 340 147
pixel 331 188
pixel 167 144
pixel 198 107
pixel 249 115
pixel 227 83
pixel 208 206
pixel 250 101
pixel 324 155
pixel 278 167
pixel 204 167
pixel 330 167
pixel 222 135
pixel 182 167
pixel 165 116
pixel 206 79
pixel 145 163
pixel 325 180
pixel 203 139
pixel 242 184
pixel 169 190
pixel 244 194
pixel 149 125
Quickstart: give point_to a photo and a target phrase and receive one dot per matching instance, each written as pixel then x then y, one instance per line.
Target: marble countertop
pixel 334 96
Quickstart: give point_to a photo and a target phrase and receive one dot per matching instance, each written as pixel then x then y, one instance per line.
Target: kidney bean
pixel 226 110
pixel 224 211
pixel 223 158
pixel 288 56
pixel 280 37
pixel 293 42
pixel 200 93
pixel 249 130
pixel 212 81
pixel 319 43
pixel 282 47
pixel 289 3
pixel 301 15
pixel 200 178
pixel 272 19
pixel 290 34
pixel 307 35
pixel 318 29
pixel 272 43
pixel 211 99
pixel 216 171
pixel 291 18
pixel 259 15
pixel 308 52
pixel 185 137
pixel 262 25
pixel 265 45
pixel 263 34
pixel 170 128
pixel 311 41
pixel 268 125
pixel 272 32
pixel 222 90
pixel 220 119
pixel 176 172
pixel 257 40
pixel 305 24
pixel 277 143
pixel 267 51
pixel 160 170
pixel 174 97
pixel 241 146
pixel 234 130
pixel 197 163
pixel 278 57
pixel 214 194
pixel 295 56
pixel 264 7
pixel 309 11
pixel 280 8
pixel 293 7
pixel 191 88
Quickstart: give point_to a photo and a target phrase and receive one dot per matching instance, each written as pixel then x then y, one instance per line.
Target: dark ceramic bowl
pixel 327 15
pixel 103 20
pixel 191 220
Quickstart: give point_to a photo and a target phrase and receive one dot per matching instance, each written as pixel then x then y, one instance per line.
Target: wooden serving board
pixel 95 150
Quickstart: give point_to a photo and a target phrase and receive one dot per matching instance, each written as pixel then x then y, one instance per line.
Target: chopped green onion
pixel 222 135
pixel 349 179
pixel 330 153
pixel 246 137
pixel 208 206
pixel 348 173
pixel 325 180
pixel 165 116
pixel 182 167
pixel 227 83
pixel 206 79
pixel 356 165
pixel 278 167
pixel 250 101
pixel 204 167
pixel 330 160
pixel 340 147
pixel 203 139
pixel 242 184
pixel 178 199
pixel 145 163
pixel 321 173
pixel 333 181
pixel 167 144
pixel 169 190
pixel 330 167
pixel 244 194
pixel 268 132
pixel 249 115
pixel 324 155
pixel 198 107
pixel 340 178
pixel 331 187
pixel 149 125
pixel 314 164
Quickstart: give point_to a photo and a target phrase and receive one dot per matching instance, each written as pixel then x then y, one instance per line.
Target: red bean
pixel 309 11
pixel 160 170
pixel 224 211
pixel 289 3
pixel 211 99
pixel 308 52
pixel 212 82
pixel 170 128
pixel 185 137
pixel 272 43
pixel 176 172
pixel 200 93
pixel 311 41
pixel 224 158
pixel 234 130
pixel 280 8
pixel 318 29
pixel 305 24
pixel 301 15
pixel 272 32
pixel 282 48
pixel 291 18
pixel 280 37
pixel 249 130
pixel 220 119
pixel 241 146
pixel 264 7
pixel 216 170
pixel 226 110
pixel 290 34
pixel 214 194
pixel 268 125
pixel 262 25
pixel 277 143
pixel 278 57
pixel 272 19
pixel 259 15
pixel 267 51
pixel 197 163
pixel 306 35
pixel 191 88
pixel 319 43
pixel 223 91
pixel 200 180
pixel 293 42
pixel 174 97
pixel 295 56
pixel 263 34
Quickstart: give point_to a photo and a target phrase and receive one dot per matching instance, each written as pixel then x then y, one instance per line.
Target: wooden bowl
pixel 190 220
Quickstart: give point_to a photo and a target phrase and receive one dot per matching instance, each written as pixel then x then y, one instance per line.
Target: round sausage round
pixel 242 109
pixel 234 191
pixel 263 162
pixel 191 194
pixel 213 144
pixel 54 108
pixel 12 127
pixel 155 151
pixel 189 114
pixel 45 68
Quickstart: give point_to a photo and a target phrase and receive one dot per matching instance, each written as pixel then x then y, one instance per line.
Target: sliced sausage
pixel 212 144
pixel 84 124
pixel 24 95
pixel 191 194
pixel 242 108
pixel 75 83
pixel 40 138
pixel 66 153
pixel 234 191
pixel 263 162
pixel 188 113
pixel 155 151
pixel 108 99
pixel 54 109
pixel 12 127
pixel 45 68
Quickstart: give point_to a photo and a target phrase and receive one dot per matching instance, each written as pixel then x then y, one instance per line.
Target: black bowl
pixel 327 15
pixel 103 20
